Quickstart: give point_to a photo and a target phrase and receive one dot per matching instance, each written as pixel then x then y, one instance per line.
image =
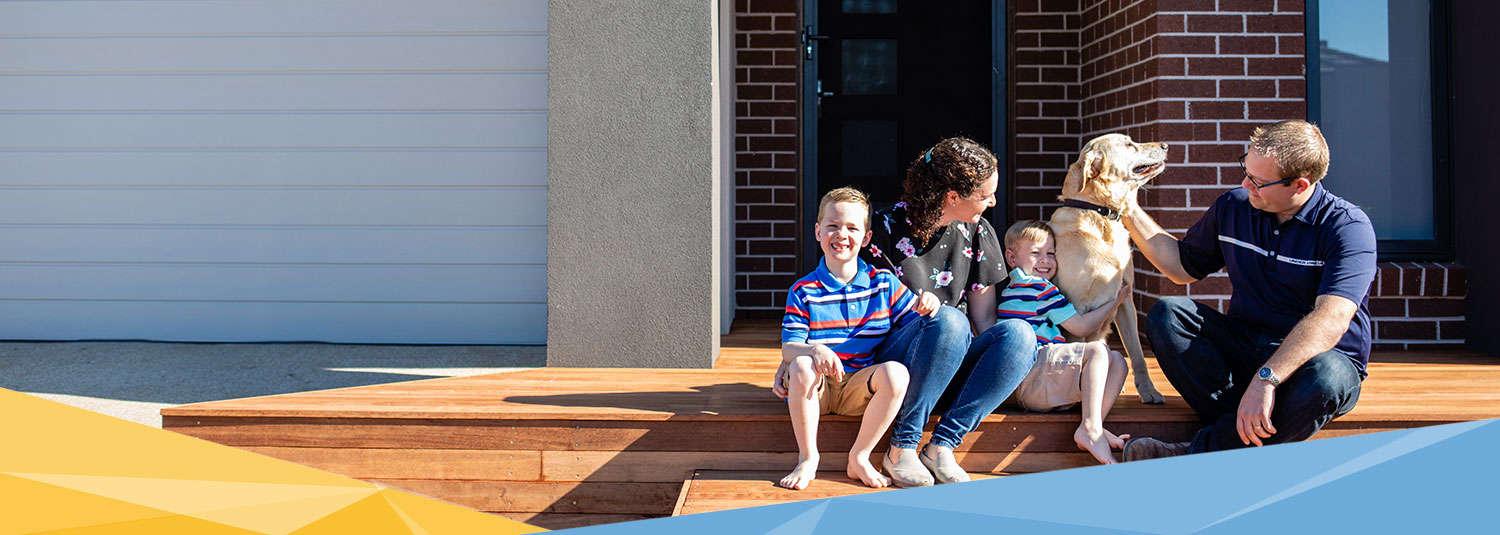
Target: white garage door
pixel 361 171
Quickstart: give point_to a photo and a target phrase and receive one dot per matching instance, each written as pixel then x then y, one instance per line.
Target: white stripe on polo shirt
pixel 1263 252
pixel 851 296
pixel 1228 239
pixel 1299 261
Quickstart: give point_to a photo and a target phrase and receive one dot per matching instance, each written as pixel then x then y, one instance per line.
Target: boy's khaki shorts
pixel 847 398
pixel 1055 381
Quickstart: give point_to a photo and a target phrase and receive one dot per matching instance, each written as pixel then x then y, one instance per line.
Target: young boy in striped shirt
pixel 1065 374
pixel 835 317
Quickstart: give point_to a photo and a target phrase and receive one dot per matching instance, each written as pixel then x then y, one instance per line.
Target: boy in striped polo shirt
pixel 1065 374
pixel 835 316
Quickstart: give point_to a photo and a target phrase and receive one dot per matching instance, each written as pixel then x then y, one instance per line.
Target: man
pixel 1291 353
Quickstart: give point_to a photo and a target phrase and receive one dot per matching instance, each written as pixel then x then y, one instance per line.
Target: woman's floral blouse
pixel 960 258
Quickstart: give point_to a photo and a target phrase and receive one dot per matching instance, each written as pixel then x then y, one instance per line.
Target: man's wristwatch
pixel 1265 374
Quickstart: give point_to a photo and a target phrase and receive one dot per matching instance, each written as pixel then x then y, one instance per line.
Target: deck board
pixel 566 447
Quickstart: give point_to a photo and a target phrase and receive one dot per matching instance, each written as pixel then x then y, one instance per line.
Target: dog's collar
pixel 1108 213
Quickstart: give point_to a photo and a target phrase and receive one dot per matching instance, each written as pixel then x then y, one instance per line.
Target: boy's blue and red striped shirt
pixel 851 319
pixel 1037 301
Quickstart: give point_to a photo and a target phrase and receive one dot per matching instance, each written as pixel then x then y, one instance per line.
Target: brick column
pixel 766 149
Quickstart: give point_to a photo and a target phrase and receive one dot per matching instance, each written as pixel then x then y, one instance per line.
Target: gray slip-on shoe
pixel 1143 448
pixel 944 468
pixel 907 471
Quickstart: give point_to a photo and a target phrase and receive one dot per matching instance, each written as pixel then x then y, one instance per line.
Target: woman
pixel 941 247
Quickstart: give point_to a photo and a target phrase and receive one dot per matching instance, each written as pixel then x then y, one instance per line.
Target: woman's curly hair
pixel 956 164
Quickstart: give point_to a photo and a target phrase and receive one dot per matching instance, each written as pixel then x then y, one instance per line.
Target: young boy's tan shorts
pixel 849 397
pixel 1055 381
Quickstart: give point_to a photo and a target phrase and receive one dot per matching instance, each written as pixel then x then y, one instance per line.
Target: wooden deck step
pixel 561 447
pixel 718 490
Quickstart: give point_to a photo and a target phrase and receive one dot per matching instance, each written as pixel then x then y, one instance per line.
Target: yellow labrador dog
pixel 1093 248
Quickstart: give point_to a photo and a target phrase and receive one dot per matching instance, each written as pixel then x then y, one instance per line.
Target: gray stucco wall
pixel 632 202
pixel 1475 182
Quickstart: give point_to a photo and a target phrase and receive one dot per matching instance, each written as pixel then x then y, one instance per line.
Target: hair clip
pixel 928 157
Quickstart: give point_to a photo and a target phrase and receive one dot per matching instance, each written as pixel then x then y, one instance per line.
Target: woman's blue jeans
pixel 964 381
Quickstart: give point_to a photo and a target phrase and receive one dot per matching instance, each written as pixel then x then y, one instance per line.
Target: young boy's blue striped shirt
pixel 851 319
pixel 1037 301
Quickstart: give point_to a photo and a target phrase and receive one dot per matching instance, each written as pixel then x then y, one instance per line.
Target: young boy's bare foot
pixel 1116 442
pixel 861 469
pixel 804 473
pixel 1099 444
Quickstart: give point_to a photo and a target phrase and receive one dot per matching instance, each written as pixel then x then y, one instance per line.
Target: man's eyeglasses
pixel 1258 185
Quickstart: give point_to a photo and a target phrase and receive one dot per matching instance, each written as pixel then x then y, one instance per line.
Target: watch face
pixel 1265 373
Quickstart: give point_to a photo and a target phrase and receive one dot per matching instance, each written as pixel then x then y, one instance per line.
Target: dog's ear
pixel 1093 164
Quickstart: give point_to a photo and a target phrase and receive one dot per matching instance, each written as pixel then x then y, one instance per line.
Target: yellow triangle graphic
pixel 370 516
pixel 264 507
pixel 33 506
pixel 167 525
pixel 441 517
pixel 47 437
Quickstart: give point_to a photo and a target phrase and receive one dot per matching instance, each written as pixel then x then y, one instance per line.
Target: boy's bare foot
pixel 1116 442
pixel 1099 443
pixel 861 469
pixel 804 473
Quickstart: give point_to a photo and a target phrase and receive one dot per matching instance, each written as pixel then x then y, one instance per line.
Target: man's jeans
pixel 966 381
pixel 1210 358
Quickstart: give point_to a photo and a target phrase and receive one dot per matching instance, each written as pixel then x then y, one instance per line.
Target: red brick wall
pixel 1046 121
pixel 766 154
pixel 1419 305
pixel 1216 73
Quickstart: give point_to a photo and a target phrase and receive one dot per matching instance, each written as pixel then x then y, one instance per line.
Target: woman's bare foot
pixel 804 473
pixel 1099 443
pixel 861 469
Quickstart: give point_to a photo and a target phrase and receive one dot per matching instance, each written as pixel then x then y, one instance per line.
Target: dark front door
pixel 884 81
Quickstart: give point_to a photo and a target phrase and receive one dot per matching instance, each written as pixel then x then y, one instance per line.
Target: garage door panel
pixel 277 245
pixel 241 206
pixel 373 323
pixel 275 53
pixel 526 167
pixel 258 16
pixel 272 283
pixel 274 130
pixel 272 91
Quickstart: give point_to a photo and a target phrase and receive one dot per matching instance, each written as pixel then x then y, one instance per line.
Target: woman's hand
pixel 927 303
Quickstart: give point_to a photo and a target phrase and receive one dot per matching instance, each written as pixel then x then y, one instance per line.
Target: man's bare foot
pixel 804 473
pixel 1098 443
pixel 861 469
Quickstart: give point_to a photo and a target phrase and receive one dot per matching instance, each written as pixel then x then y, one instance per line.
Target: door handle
pixel 807 41
pixel 820 92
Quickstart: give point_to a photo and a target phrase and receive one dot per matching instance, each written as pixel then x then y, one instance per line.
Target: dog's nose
pixel 1165 146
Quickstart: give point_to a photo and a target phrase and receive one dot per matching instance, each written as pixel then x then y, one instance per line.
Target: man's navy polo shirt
pixel 1279 270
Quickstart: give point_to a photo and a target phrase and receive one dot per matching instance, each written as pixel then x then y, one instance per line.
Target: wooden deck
pixel 560 447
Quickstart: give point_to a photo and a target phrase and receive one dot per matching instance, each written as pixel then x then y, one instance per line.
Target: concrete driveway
pixel 134 380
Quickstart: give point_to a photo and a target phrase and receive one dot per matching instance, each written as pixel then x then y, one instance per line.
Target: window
pixel 1377 86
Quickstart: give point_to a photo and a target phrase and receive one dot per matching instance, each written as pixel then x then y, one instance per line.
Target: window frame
pixel 1440 246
